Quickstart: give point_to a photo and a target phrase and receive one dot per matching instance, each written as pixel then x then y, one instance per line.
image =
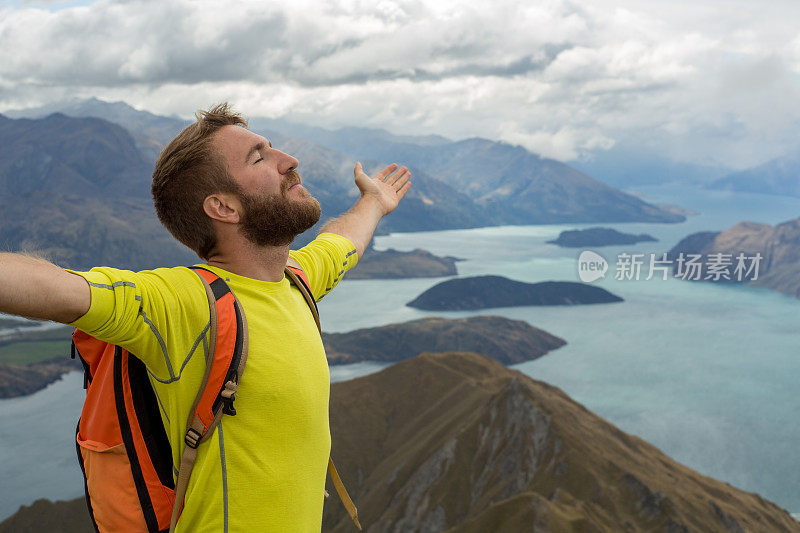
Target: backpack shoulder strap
pixel 342 492
pixel 295 273
pixel 222 305
pixel 225 362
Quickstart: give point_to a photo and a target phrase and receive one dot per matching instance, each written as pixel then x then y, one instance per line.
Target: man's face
pixel 275 205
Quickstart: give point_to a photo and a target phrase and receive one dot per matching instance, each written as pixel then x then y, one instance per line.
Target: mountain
pixel 505 340
pixel 79 156
pixel 462 184
pixel 44 516
pixel 777 176
pixel 17 380
pixel 514 185
pixel 328 174
pixel 350 137
pixel 429 205
pixel 598 237
pixel 482 292
pixel 392 264
pixel 457 442
pixel 778 246
pixel 626 165
pixel 151 132
pixel 76 190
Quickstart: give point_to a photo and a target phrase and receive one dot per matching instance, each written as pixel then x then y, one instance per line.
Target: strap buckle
pixel 227 396
pixel 227 405
pixel 192 438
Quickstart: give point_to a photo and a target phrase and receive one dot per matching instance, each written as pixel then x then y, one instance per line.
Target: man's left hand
pixel 387 187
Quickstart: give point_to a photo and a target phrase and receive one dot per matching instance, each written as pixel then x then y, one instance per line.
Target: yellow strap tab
pixel 342 492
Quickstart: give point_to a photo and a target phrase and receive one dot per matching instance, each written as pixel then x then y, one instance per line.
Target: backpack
pixel 121 443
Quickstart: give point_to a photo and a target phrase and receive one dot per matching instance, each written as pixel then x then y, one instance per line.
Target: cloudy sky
pixel 702 81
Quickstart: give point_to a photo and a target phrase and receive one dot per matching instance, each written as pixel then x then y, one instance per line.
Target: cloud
pixel 699 81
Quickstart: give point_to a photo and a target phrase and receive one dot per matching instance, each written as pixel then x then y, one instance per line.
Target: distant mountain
pixel 328 174
pixel 779 247
pixel 483 292
pixel 462 184
pixel 778 176
pixel 77 190
pixel 151 132
pixel 80 156
pixel 21 378
pixel 18 380
pixel 429 205
pixel 598 237
pixel 392 264
pixel 625 165
pixel 514 185
pixel 44 516
pixel 457 442
pixel 352 138
pixel 505 340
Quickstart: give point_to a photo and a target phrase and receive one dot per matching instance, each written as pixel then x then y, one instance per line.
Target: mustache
pixel 292 177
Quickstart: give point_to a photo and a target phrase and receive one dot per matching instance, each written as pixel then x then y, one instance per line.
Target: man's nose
pixel 286 162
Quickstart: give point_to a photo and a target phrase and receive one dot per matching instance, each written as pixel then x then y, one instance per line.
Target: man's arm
pixel 379 197
pixel 35 288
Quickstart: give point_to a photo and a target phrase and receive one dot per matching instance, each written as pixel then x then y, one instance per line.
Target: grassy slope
pixel 34 346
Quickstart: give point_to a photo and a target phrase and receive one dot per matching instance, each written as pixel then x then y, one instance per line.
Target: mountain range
pixel 515 186
pixel 780 175
pixel 464 184
pixel 628 165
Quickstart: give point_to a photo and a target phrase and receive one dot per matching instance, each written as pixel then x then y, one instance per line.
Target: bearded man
pixel 229 195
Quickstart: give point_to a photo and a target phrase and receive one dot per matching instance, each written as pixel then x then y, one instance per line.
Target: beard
pixel 276 219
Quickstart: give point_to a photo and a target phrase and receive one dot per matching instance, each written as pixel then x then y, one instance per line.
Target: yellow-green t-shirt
pixel 263 469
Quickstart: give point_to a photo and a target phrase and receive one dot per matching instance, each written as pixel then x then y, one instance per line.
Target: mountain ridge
pixel 536 190
pixel 516 185
pixel 456 440
pixel 780 175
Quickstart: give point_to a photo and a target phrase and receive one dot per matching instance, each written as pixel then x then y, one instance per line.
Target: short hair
pixel 187 171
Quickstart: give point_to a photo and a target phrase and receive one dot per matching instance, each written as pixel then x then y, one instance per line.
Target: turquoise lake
pixel 706 373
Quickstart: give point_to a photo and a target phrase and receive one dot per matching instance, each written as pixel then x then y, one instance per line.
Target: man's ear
pixel 224 207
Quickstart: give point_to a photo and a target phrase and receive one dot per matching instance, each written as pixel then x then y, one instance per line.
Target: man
pixel 225 192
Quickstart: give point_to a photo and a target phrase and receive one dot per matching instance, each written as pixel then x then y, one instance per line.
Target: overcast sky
pixel 704 81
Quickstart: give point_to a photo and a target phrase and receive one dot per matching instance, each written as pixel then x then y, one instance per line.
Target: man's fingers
pixel 404 177
pixel 386 171
pixel 403 190
pixel 391 180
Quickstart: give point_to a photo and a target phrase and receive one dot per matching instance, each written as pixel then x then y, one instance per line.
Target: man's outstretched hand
pixel 387 187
